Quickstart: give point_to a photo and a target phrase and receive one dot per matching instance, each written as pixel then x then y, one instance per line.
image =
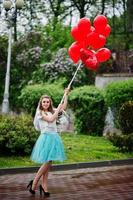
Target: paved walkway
pixel 103 183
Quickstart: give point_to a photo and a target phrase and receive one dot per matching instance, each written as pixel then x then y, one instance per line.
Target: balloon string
pixel 69 85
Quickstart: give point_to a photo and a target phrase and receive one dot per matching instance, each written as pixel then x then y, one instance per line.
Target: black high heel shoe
pixel 30 189
pixel 47 194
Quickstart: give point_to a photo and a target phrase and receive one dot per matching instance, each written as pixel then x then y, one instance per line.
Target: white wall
pixel 102 80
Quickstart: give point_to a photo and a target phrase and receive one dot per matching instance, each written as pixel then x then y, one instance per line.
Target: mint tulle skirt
pixel 48 147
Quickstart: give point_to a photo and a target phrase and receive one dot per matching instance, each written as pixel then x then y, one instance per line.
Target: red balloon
pixel 76 33
pixel 107 31
pixel 99 42
pixel 100 22
pixel 74 52
pixel 91 39
pixel 85 54
pixel 81 44
pixel 84 25
pixel 89 59
pixel 91 64
pixel 95 40
pixel 103 54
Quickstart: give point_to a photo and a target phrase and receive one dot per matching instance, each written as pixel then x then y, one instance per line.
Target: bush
pixel 89 108
pixel 60 67
pixel 126 117
pixel 123 142
pixel 117 93
pixel 31 94
pixel 17 134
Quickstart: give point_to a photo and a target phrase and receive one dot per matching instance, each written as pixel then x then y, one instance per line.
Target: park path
pixel 101 183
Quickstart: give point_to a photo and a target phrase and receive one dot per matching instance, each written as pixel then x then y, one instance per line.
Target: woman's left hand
pixel 66 91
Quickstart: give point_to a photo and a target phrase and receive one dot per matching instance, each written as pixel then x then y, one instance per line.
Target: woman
pixel 48 146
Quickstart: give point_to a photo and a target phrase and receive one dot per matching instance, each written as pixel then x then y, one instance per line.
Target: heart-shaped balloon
pixel 100 22
pixel 84 25
pixel 90 41
pixel 76 34
pixel 89 58
pixel 74 52
pixel 92 63
pixel 85 54
pixel 103 54
pixel 107 31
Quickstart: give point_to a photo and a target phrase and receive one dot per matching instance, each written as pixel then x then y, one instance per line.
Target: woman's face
pixel 45 103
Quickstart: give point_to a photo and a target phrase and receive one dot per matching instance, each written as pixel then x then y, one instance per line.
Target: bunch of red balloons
pixel 89 42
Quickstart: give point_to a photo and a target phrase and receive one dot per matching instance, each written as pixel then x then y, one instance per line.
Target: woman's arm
pixel 64 105
pixel 53 116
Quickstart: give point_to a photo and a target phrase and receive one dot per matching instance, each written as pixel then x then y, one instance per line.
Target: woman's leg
pixel 45 178
pixel 41 171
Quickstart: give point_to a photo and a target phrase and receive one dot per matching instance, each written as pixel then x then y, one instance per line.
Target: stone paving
pixel 103 183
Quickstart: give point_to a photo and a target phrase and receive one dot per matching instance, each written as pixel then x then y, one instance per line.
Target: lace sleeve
pixel 37 117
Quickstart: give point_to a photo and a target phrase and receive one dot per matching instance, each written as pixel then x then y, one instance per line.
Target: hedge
pixel 90 109
pixel 31 94
pixel 17 134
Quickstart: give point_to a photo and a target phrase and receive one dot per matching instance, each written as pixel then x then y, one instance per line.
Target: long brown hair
pixel 50 108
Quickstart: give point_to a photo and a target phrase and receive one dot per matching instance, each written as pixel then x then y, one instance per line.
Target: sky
pixel 75 18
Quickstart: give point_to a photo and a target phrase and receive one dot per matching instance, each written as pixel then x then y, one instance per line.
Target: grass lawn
pixel 79 148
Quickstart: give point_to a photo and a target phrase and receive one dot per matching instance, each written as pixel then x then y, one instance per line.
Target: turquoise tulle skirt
pixel 48 147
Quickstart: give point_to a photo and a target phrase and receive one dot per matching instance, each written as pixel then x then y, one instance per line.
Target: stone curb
pixel 57 167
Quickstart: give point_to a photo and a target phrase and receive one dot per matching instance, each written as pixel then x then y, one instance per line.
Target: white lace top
pixel 44 126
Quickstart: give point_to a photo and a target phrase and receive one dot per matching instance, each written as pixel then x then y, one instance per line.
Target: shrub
pixel 89 108
pixel 31 94
pixel 123 142
pixel 117 93
pixel 126 117
pixel 17 134
pixel 60 67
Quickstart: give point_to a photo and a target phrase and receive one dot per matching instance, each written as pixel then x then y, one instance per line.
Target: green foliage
pixel 26 56
pixel 28 53
pixel 123 142
pixel 3 50
pixel 61 67
pixel 31 94
pixel 117 93
pixel 126 117
pixel 121 41
pixel 119 96
pixel 89 108
pixel 57 36
pixel 17 134
pixel 78 148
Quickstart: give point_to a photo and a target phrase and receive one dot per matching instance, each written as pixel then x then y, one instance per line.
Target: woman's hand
pixel 66 91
